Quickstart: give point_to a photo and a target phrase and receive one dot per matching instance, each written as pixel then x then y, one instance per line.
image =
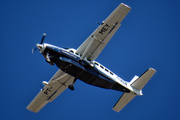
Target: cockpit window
pixel 66 48
pixel 89 60
pixel 71 51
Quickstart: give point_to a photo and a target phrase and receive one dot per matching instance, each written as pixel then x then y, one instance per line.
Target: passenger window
pixel 96 63
pixel 101 66
pixel 111 73
pixel 107 70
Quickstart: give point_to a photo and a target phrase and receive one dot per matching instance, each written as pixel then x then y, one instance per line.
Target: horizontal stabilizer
pixel 123 101
pixel 139 83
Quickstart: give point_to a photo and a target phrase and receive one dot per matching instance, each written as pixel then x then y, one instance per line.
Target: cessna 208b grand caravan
pixel 80 64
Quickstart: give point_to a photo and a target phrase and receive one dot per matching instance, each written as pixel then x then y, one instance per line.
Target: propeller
pixel 44 35
pixel 34 49
pixel 42 40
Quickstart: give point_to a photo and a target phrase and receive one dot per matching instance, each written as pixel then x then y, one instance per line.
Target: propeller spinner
pixel 38 45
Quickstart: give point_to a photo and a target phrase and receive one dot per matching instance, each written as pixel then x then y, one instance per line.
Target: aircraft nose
pixel 40 46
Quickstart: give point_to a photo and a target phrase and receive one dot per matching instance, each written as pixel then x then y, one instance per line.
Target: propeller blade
pixel 34 49
pixel 43 38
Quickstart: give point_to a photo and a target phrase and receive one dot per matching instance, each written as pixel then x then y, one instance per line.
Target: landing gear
pixel 48 59
pixel 71 87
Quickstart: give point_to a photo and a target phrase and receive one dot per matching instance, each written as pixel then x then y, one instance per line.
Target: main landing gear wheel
pixel 71 87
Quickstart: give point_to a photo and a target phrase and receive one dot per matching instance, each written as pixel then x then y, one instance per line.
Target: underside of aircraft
pixel 80 64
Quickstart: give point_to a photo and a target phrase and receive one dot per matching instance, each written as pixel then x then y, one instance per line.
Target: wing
pixel 95 43
pixel 57 84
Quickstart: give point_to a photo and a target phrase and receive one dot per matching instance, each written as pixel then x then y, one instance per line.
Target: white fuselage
pixel 101 69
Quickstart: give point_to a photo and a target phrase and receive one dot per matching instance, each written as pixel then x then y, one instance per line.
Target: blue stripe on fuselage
pixel 64 53
pixel 61 52
pixel 81 69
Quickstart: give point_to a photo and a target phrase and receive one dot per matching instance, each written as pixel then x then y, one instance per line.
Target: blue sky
pixel 148 37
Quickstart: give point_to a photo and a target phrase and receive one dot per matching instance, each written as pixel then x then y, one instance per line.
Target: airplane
pixel 80 64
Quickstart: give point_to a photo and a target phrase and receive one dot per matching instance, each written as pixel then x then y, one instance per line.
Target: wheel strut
pixel 71 87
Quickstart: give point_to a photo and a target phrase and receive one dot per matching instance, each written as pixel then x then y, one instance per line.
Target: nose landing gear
pixel 48 59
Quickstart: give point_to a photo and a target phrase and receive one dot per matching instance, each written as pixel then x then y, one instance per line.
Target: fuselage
pixel 91 72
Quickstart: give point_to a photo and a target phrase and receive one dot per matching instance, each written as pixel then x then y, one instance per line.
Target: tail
pixel 136 83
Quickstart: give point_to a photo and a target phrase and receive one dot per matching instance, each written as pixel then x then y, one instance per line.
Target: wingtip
pixel 152 69
pixel 125 5
pixel 115 109
pixel 44 34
